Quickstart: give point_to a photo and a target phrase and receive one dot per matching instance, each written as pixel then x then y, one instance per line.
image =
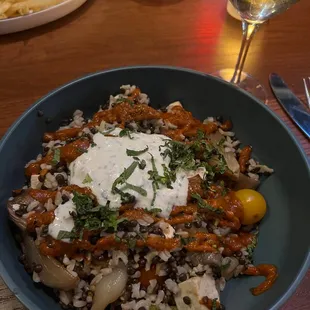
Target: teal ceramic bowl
pixel 283 237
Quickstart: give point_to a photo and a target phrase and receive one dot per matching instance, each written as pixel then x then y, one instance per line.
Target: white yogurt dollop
pixel 106 160
pixel 63 221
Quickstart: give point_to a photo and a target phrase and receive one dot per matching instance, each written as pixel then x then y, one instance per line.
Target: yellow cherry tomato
pixel 254 206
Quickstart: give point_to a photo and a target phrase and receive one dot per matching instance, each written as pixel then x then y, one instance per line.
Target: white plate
pixel 25 22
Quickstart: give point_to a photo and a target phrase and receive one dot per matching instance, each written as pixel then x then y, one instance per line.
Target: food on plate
pixel 140 208
pixel 14 8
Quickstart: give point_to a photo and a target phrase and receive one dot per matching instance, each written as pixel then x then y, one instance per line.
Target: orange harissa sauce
pixel 125 112
pixel 265 270
pixel 230 209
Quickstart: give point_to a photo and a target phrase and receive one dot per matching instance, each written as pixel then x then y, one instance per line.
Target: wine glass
pixel 253 13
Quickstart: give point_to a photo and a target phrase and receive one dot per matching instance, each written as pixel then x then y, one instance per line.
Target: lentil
pixel 187 300
pixel 182 277
pixel 40 113
pixel 198 224
pixel 61 180
pixel 188 225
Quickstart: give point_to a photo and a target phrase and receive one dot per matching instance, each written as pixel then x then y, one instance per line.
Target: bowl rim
pixel 24 299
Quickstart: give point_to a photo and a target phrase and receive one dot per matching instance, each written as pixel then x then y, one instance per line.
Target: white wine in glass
pixel 253 13
pixel 258 11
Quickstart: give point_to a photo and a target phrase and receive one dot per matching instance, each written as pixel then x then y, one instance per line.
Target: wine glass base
pixel 247 83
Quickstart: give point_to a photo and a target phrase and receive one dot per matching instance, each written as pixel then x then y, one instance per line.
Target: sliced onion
pixel 229 264
pixel 22 199
pixel 216 137
pixel 20 222
pixel 53 273
pixel 245 182
pixel 232 163
pixel 213 259
pixel 110 288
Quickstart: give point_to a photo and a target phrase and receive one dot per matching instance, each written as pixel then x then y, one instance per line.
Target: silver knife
pixel 291 104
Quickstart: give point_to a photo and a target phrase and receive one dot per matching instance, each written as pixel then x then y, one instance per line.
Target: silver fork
pixel 307 90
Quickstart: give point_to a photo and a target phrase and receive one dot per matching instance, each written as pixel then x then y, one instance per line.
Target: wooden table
pixel 103 34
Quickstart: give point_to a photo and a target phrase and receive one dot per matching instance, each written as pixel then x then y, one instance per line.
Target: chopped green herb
pixel 154 211
pixel 154 177
pixel 96 209
pixel 221 142
pixel 131 243
pixel 186 241
pixel 125 197
pixel 64 235
pixel 224 191
pixel 124 99
pixel 136 153
pixel 221 166
pixel 158 179
pixel 154 194
pixel 83 203
pixel 92 223
pixel 110 219
pixel 89 217
pixel 200 135
pixel 125 175
pixel 166 179
pixel 117 239
pixel 181 155
pixel 185 155
pixel 169 177
pixel 250 249
pixel 87 179
pixel 125 132
pixel 153 164
pixel 140 235
pixel 202 204
pixel 137 189
pixel 142 164
pixel 214 304
pixel 56 157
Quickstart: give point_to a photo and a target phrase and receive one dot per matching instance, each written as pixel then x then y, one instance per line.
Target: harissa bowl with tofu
pixel 143 205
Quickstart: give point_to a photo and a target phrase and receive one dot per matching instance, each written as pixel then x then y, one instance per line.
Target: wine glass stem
pixel 248 31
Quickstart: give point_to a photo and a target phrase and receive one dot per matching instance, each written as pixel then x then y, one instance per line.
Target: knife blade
pixel 291 104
